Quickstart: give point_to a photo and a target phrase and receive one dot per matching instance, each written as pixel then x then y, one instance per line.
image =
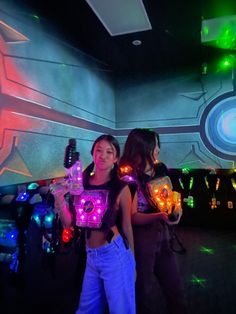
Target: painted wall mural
pixel 50 92
pixel 194 115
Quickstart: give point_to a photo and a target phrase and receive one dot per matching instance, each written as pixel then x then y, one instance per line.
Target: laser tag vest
pixel 92 207
pixel 147 187
pixel 156 193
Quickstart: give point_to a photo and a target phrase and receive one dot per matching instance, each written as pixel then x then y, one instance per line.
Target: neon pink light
pixel 91 208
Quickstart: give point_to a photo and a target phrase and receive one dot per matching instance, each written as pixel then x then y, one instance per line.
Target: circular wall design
pixel 220 126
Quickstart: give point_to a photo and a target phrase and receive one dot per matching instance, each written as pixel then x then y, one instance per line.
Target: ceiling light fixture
pixel 121 17
pixel 137 42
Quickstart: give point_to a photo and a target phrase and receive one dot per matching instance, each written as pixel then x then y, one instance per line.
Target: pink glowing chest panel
pixel 90 208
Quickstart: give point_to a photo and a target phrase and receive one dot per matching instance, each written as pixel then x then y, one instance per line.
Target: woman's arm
pixel 142 218
pixel 125 203
pixel 60 204
pixel 63 211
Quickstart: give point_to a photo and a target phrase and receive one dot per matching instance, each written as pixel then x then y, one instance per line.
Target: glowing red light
pixel 67 235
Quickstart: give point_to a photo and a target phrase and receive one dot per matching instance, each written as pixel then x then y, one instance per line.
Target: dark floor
pixel 208 269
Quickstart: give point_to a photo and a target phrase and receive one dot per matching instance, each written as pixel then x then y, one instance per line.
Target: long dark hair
pixel 138 149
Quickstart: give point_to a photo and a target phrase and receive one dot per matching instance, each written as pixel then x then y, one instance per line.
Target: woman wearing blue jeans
pixel 104 211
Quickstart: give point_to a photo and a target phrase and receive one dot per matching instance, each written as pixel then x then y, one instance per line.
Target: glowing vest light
pixel 67 235
pixel 90 208
pixel 162 196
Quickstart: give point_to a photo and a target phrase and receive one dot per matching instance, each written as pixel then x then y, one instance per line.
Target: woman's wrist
pixel 59 203
pixel 162 216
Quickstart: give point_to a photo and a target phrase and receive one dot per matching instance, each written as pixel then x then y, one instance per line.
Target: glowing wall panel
pixel 49 92
pixel 48 71
pixel 194 115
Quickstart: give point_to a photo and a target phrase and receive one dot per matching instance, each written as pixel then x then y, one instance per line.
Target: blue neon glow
pixel 43 215
pixel 221 126
pixel 8 234
pixel 22 197
pixel 226 126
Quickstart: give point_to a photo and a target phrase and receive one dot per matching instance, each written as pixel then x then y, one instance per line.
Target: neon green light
pixel 36 17
pixel 190 201
pixel 206 250
pixel 227 62
pixel 205 30
pixel 185 170
pixel 181 183
pixel 198 281
pixel 226 39
pixel 191 183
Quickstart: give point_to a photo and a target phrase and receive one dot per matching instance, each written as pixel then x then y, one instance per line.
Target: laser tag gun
pixel 212 184
pixel 73 170
pixel 189 201
pixel 163 197
pixel 9 250
pixel 8 233
pixel 43 215
pixel 214 203
pixel 23 204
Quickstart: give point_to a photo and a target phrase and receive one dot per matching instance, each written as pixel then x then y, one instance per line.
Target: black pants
pixel 157 272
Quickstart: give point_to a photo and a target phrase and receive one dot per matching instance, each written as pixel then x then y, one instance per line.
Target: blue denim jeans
pixel 109 279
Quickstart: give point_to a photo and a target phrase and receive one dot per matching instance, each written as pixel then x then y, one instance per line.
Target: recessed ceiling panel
pixel 121 16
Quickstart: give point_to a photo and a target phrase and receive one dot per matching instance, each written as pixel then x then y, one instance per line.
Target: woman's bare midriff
pixel 98 238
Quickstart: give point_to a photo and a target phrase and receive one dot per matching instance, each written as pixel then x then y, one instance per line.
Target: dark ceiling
pixel 174 40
